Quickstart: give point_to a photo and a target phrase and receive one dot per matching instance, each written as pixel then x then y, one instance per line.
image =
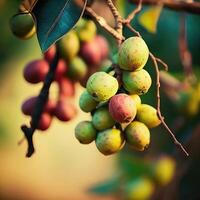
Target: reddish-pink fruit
pixel 103 46
pixel 122 108
pixel 91 52
pixel 36 71
pixel 66 87
pixel 50 54
pixel 65 111
pixel 44 122
pixel 61 69
pixel 50 106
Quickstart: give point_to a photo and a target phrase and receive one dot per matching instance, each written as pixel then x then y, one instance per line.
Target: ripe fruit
pixel 102 86
pixel 44 122
pixel 136 99
pixel 61 69
pixel 85 132
pixel 103 46
pixel 122 108
pixel 148 115
pixel 22 25
pixel 86 102
pixel 66 87
pixel 50 54
pixel 102 119
pixel 133 54
pixel 109 141
pixel 36 71
pixel 137 135
pixel 137 82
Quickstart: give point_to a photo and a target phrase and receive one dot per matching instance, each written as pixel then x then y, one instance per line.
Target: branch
pixel 193 7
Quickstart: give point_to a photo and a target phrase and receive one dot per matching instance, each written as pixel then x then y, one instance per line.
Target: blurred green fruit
pixel 133 54
pixel 109 141
pixel 102 86
pixel 85 132
pixel 136 99
pixel 106 64
pixel 137 82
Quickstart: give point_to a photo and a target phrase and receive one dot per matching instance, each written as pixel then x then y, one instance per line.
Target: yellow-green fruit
pixel 137 135
pixel 133 54
pixel 109 141
pixel 148 115
pixel 86 102
pixel 137 82
pixel 164 169
pixel 136 99
pixel 102 119
pixel 140 188
pixel 22 25
pixel 102 86
pixel 69 46
pixel 85 132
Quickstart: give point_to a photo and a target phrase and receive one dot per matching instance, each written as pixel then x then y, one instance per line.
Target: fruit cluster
pixel 117 112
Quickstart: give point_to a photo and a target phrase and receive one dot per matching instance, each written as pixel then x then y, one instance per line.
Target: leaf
pixel 121 6
pixel 149 18
pixel 54 18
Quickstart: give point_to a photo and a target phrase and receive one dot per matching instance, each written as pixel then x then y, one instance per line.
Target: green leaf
pixel 54 18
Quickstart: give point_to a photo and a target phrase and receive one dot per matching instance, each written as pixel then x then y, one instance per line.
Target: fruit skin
pixel 136 99
pixel 109 141
pixel 86 102
pixel 137 82
pixel 85 132
pixel 137 135
pixel 69 46
pixel 60 70
pixel 102 119
pixel 148 115
pixel 133 54
pixel 36 71
pixel 66 87
pixel 22 25
pixel 103 46
pixel 122 108
pixel 102 86
pixel 50 54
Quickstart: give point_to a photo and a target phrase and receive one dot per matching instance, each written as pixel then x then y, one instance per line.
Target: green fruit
pixel 133 54
pixel 85 132
pixel 86 102
pixel 136 99
pixel 105 66
pixel 22 25
pixel 140 188
pixel 137 135
pixel 77 69
pixel 69 46
pixel 102 86
pixel 137 82
pixel 102 119
pixel 148 115
pixel 109 141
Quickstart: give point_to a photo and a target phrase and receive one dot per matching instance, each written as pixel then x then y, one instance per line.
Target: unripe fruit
pixel 77 69
pixel 109 141
pixel 86 102
pixel 22 25
pixel 137 82
pixel 60 70
pixel 66 87
pixel 148 115
pixel 36 71
pixel 44 122
pixel 137 135
pixel 102 119
pixel 50 54
pixel 122 108
pixel 136 99
pixel 65 111
pixel 103 46
pixel 85 132
pixel 133 54
pixel 102 86
pixel 69 46
pixel 105 65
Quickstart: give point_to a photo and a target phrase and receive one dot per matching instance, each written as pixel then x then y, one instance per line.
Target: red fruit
pixel 50 106
pixel 36 71
pixel 122 108
pixel 61 69
pixel 65 111
pixel 50 54
pixel 66 87
pixel 103 46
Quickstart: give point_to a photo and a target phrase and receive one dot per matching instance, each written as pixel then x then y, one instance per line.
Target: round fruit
pixel 50 54
pixel 103 46
pixel 148 115
pixel 137 135
pixel 36 71
pixel 122 108
pixel 60 70
pixel 136 99
pixel 137 82
pixel 85 132
pixel 105 65
pixel 102 86
pixel 133 54
pixel 86 102
pixel 66 87
pixel 102 119
pixel 22 25
pixel 109 141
